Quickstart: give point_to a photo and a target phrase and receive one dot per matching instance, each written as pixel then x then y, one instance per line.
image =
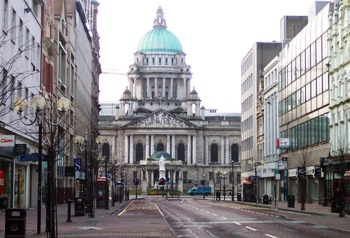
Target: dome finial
pixel 159 21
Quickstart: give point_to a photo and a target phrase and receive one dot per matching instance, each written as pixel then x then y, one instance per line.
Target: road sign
pixel 31 157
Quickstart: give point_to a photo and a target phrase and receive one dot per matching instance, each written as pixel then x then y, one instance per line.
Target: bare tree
pixel 302 162
pixel 12 73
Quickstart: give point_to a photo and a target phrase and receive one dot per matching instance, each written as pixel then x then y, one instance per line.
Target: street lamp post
pixel 105 153
pixel 21 105
pixel 39 104
pixel 233 181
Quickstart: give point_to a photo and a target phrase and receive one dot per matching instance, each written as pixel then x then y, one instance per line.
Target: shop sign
pixel 20 149
pixel 7 140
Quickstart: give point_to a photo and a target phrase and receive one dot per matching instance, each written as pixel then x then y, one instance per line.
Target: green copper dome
pixel 159 40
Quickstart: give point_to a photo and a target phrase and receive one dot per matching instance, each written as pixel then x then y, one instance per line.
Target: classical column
pixel 131 149
pixel 171 94
pixel 185 89
pixel 152 144
pixel 222 150
pixel 173 154
pixel 147 147
pixel 126 149
pixel 206 150
pixel 163 90
pixel 133 94
pixel 227 152
pixel 148 95
pixel 189 149
pixel 168 144
pixel 194 149
pixel 156 87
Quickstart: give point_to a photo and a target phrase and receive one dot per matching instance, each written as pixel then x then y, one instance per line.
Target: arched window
pixel 234 153
pixel 139 152
pixel 160 147
pixel 181 152
pixel 214 153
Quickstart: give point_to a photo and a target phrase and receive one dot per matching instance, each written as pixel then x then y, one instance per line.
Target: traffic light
pixel 161 181
pixel 284 159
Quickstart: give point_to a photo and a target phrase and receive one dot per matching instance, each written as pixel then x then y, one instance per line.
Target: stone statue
pixel 161 163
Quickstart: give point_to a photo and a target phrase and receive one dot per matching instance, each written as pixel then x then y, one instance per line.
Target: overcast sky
pixel 215 35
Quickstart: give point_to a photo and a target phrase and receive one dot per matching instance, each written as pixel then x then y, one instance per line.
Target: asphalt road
pixel 194 217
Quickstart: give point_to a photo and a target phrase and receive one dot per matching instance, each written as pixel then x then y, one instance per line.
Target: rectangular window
pixel 20 34
pixel 319 85
pixel 293 71
pixel 302 95
pixel 72 76
pixel 297 66
pixel 302 63
pixel 12 90
pixel 19 90
pixel 307 92
pixel 283 78
pixel 307 59
pixel 289 74
pixel 313 54
pixel 312 127
pixel 5 16
pixel 313 88
pixel 324 127
pixel 26 43
pixel 319 56
pixel 293 138
pixel 62 63
pixel 325 82
pixel 13 26
pixel 294 101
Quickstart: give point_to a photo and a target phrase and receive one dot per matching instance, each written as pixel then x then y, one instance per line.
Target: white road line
pixel 224 218
pixel 250 228
pixel 268 235
pixel 237 223
pixel 214 214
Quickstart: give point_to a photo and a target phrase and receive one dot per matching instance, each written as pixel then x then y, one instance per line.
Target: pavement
pixel 313 213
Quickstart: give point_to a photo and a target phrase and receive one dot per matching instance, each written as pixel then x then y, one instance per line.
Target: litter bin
pixel 79 205
pixel 291 201
pixel 15 223
pixel 239 197
pixel 265 199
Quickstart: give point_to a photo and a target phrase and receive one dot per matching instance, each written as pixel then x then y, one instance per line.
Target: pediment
pixel 160 119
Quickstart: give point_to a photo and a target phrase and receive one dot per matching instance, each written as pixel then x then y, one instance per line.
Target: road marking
pixel 224 218
pixel 237 223
pixel 214 214
pixel 250 228
pixel 268 235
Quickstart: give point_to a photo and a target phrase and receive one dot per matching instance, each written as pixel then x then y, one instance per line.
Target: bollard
pixel 69 215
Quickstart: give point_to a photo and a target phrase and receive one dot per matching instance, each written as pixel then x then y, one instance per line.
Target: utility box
pixel 15 223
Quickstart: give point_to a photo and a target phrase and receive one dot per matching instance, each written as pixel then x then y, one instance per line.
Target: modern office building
pixel 252 67
pixel 303 109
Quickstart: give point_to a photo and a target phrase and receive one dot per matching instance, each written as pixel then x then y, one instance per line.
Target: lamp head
pixel 20 104
pixel 63 104
pixel 38 103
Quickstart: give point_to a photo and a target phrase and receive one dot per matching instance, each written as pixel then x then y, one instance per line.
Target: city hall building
pixel 160 115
